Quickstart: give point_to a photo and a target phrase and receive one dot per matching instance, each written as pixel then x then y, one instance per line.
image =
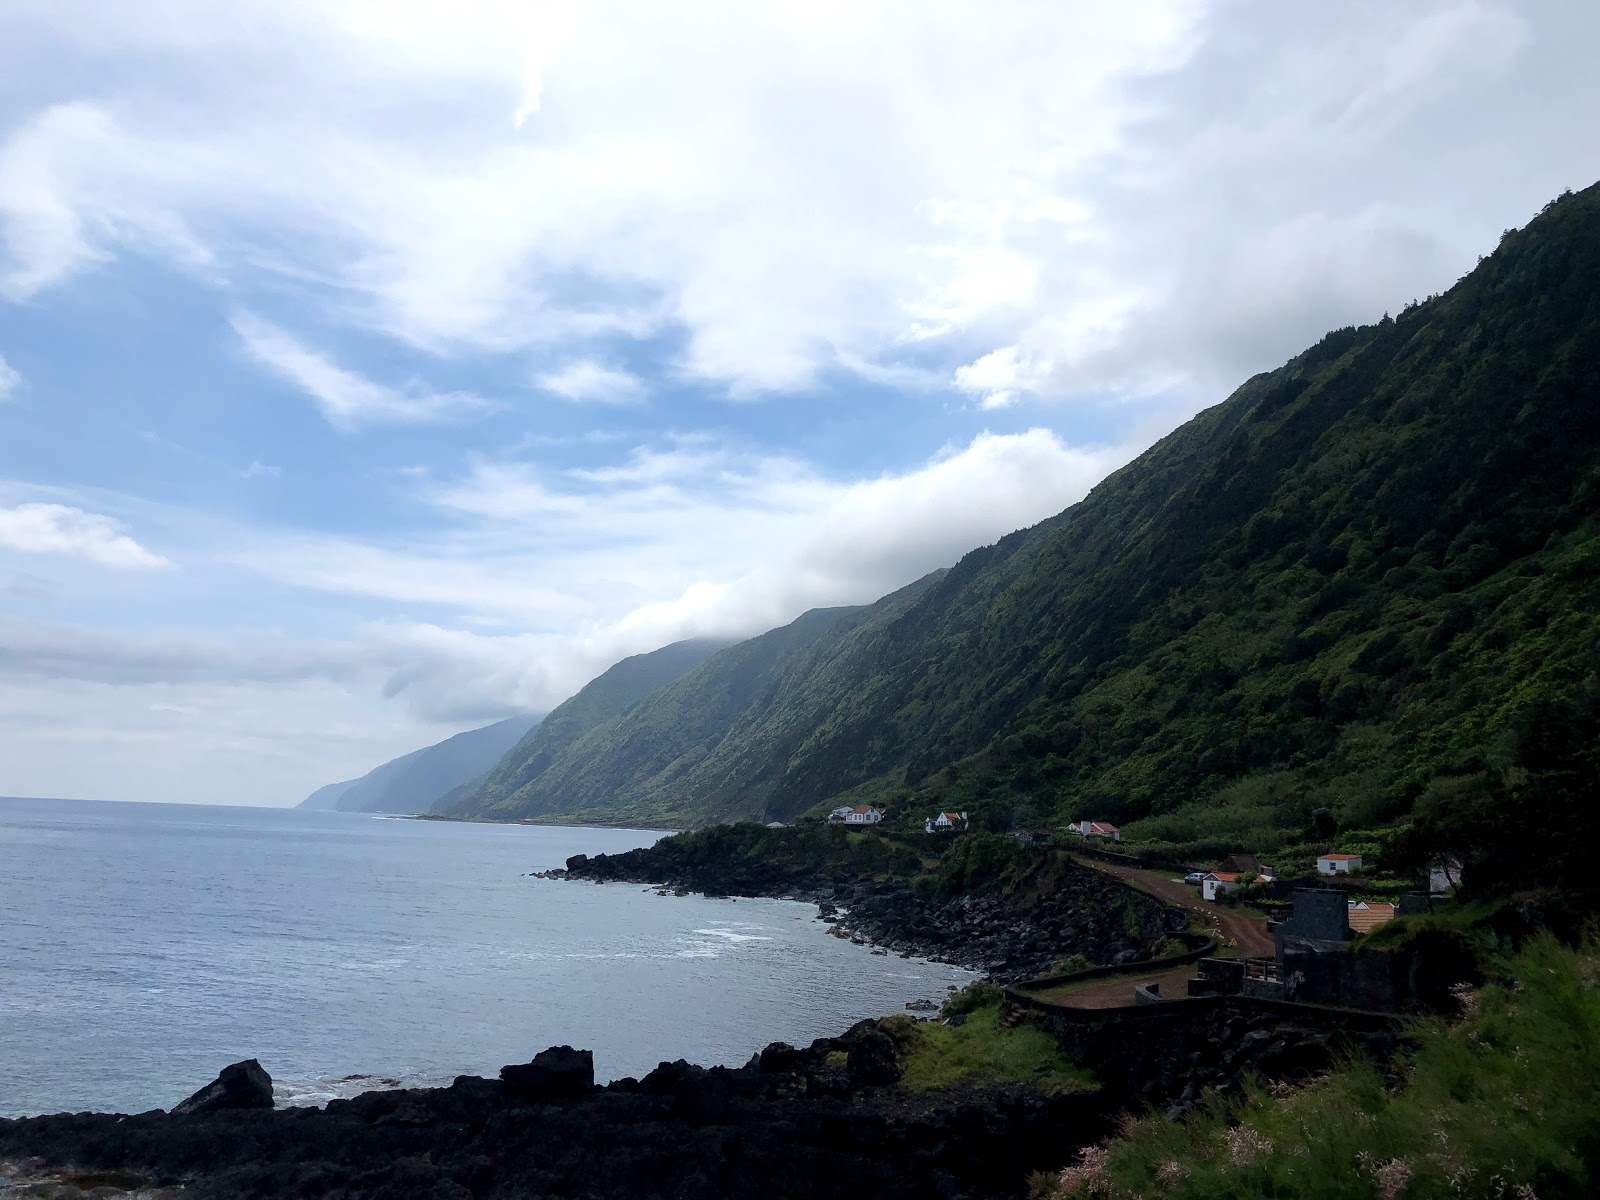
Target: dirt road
pixel 1243 935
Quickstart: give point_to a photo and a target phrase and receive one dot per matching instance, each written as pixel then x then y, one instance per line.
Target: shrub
pixel 1501 1104
pixel 979 1049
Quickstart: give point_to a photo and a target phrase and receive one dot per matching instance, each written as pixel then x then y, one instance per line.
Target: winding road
pixel 1240 935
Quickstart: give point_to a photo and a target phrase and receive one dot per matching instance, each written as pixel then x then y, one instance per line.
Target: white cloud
pixel 586 381
pixel 697 537
pixel 57 529
pixel 260 470
pixel 348 400
pixel 10 379
pixel 802 188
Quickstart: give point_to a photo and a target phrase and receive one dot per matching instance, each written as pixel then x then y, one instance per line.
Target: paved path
pixel 1246 932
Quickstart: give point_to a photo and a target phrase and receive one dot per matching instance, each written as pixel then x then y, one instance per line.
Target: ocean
pixel 145 946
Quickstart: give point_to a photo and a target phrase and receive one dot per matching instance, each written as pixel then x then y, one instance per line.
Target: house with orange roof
pixel 1367 915
pixel 1338 864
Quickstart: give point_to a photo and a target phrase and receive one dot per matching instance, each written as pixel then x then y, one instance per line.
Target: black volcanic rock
pixel 240 1085
pixel 685 1132
pixel 558 1071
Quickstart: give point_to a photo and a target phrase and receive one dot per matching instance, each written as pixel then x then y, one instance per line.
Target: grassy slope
pixel 1502 1105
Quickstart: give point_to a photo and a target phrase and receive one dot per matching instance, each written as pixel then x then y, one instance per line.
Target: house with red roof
pixel 1338 864
pixel 1097 829
pixel 946 822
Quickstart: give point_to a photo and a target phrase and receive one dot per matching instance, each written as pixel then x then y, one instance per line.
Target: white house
pixel 838 815
pixel 1217 883
pixel 863 814
pixel 1097 829
pixel 1338 864
pixel 946 822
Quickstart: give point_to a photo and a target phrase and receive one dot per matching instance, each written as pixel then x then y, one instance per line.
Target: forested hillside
pixel 1364 585
pixel 606 696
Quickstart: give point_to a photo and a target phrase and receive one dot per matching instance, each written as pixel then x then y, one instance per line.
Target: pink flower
pixel 1245 1145
pixel 1392 1178
pixel 1172 1173
pixel 1466 997
pixel 1088 1178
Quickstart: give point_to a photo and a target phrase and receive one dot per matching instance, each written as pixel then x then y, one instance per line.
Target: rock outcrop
pixel 793 1124
pixel 555 1073
pixel 1059 909
pixel 240 1085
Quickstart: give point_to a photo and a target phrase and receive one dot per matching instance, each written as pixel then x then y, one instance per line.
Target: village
pixel 1257 932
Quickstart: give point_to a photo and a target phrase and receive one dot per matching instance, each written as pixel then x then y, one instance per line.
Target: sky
pixel 373 370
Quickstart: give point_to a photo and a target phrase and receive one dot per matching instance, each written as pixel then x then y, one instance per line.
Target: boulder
pixel 872 1059
pixel 559 1071
pixel 240 1085
pixel 778 1057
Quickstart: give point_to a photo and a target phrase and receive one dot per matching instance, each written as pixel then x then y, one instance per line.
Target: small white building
pixel 1097 829
pixel 1218 883
pixel 863 814
pixel 838 815
pixel 1338 864
pixel 946 822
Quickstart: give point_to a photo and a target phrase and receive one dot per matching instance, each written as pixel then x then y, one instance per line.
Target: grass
pixel 937 1056
pixel 1502 1104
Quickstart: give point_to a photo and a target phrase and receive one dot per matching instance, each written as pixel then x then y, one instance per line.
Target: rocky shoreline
pixel 1060 911
pixel 823 1120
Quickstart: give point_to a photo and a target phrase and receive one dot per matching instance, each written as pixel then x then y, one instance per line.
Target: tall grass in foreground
pixel 1504 1104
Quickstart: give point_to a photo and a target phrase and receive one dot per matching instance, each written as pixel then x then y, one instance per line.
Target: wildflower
pixel 1392 1178
pixel 1525 1192
pixel 1088 1178
pixel 1245 1145
pixel 1466 997
pixel 1172 1173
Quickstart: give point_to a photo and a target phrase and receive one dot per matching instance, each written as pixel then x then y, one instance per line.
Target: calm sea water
pixel 145 946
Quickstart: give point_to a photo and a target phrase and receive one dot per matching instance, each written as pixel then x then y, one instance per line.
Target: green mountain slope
pixel 606 696
pixel 1364 581
pixel 708 745
pixel 414 782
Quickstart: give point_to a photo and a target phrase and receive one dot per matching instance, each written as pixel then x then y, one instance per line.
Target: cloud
pixel 10 380
pixel 609 560
pixel 260 470
pixel 347 400
pixel 585 381
pixel 804 189
pixel 58 529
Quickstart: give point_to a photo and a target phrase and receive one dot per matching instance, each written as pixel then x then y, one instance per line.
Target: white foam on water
pixel 698 950
pixel 294 1093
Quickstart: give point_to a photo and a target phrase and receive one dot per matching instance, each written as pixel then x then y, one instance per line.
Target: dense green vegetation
pixel 1362 592
pixel 613 692
pixel 981 1050
pixel 694 752
pixel 743 858
pixel 1500 1105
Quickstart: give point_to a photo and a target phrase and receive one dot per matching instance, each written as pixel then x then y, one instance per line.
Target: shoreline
pixel 664 831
